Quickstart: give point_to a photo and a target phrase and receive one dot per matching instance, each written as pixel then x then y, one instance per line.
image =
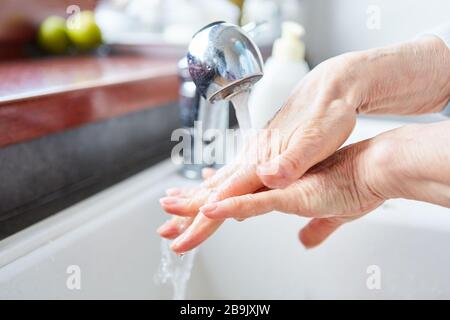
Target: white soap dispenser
pixel 282 72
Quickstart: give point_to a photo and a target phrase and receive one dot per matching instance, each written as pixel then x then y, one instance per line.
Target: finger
pixel 189 192
pixel 283 170
pixel 184 207
pixel 200 230
pixel 174 191
pixel 246 206
pixel 174 227
pixel 186 201
pixel 181 192
pixel 220 175
pixel 243 181
pixel 318 229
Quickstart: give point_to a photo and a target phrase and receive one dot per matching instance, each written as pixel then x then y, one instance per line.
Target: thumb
pixel 318 229
pixel 309 146
pixel 284 169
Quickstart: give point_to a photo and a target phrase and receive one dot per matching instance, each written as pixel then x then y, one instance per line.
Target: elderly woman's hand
pixel 410 162
pixel 410 78
pixel 310 127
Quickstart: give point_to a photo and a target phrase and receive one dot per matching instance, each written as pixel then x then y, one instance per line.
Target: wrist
pixel 408 78
pixel 411 162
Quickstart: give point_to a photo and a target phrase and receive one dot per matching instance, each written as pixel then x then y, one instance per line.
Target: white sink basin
pixel 111 237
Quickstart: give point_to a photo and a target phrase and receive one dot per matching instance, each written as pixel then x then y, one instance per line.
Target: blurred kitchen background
pixel 86 119
pixel 332 26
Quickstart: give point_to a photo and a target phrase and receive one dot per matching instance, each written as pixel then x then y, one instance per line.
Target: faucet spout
pixel 223 61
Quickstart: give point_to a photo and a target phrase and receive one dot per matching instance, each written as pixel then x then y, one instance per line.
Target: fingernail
pixel 163 228
pixel 169 200
pixel 207 208
pixel 269 168
pixel 173 191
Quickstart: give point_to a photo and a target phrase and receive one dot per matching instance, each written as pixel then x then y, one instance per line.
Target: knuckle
pixel 303 199
pixel 193 204
pixel 252 199
pixel 235 203
pixel 382 152
pixel 249 198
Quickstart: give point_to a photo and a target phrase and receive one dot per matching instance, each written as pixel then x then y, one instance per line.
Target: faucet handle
pixel 254 28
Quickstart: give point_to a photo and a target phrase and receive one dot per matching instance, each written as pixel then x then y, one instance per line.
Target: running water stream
pixel 177 269
pixel 240 104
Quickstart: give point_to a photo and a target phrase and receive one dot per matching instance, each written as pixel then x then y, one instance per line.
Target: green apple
pixel 83 31
pixel 52 35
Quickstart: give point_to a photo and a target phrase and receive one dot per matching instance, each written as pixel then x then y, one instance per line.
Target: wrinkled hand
pixel 316 120
pixel 333 192
pixel 410 162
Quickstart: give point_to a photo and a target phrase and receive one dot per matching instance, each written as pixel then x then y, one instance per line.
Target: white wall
pixel 337 26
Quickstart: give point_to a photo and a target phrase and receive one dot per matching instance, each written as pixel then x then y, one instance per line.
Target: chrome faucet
pixel 197 116
pixel 222 61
